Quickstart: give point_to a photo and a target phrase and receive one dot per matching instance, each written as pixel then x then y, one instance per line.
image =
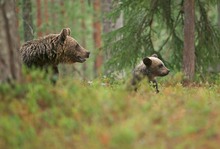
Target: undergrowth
pixel 104 115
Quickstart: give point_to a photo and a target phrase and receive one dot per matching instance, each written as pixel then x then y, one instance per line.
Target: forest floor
pixel 72 114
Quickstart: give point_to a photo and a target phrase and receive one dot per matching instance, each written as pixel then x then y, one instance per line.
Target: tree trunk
pixel 27 20
pixel 97 37
pixel 113 25
pixel 52 15
pixel 83 27
pixel 107 24
pixel 189 46
pixel 62 13
pixel 39 18
pixel 106 8
pixel 10 65
pixel 46 16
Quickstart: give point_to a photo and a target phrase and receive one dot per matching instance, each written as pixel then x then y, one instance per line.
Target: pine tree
pixel 156 26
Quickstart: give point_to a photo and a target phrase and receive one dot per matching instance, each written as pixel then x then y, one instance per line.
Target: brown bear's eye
pixel 160 66
pixel 77 47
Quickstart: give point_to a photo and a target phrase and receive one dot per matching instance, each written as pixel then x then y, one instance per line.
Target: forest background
pixel 185 36
pixel 89 106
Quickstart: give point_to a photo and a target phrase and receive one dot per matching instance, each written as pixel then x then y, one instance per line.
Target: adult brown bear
pixel 53 49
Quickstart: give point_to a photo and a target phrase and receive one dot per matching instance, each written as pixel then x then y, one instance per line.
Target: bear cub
pixel 53 49
pixel 150 67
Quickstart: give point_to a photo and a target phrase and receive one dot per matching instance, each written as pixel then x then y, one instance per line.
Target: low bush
pixel 81 115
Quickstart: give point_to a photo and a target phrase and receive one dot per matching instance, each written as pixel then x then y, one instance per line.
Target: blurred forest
pixel 118 33
pixel 90 106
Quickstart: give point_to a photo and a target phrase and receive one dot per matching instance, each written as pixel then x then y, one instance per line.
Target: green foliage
pixel 103 114
pixel 208 37
pixel 156 26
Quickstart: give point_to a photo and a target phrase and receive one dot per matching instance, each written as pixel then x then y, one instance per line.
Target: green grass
pixel 73 114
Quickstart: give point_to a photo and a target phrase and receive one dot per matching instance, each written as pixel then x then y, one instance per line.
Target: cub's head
pixel 72 51
pixel 155 66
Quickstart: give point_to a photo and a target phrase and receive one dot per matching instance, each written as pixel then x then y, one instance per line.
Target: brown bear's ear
pixel 154 55
pixel 68 31
pixel 64 33
pixel 147 61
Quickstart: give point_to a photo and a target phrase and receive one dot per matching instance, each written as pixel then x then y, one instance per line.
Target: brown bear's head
pixel 155 66
pixel 72 51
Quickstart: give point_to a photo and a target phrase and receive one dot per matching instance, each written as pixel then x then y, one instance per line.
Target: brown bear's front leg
pixel 55 74
pixel 155 85
pixel 134 82
pixel 55 70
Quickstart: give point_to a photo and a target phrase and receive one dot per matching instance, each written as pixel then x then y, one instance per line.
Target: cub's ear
pixel 154 55
pixel 64 33
pixel 147 61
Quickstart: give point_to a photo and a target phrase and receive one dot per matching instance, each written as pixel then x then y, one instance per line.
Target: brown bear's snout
pixel 87 54
pixel 82 57
pixel 166 72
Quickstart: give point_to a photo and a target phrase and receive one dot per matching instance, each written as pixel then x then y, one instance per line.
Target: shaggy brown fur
pixel 53 49
pixel 150 67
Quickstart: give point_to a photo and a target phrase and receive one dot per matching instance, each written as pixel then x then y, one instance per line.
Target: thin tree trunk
pixel 27 20
pixel 10 65
pixel 52 14
pixel 107 24
pixel 46 16
pixel 62 13
pixel 189 46
pixel 39 18
pixel 106 8
pixel 83 27
pixel 17 10
pixel 97 36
